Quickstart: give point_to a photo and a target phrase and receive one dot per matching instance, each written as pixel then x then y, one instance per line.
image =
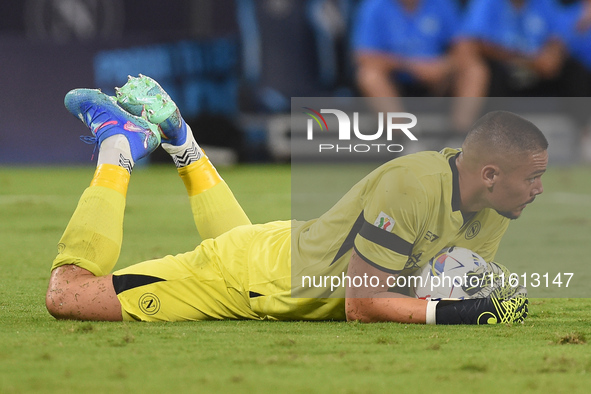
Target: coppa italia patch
pixel 384 222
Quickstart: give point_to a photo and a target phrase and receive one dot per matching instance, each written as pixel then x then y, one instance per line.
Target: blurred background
pixel 232 66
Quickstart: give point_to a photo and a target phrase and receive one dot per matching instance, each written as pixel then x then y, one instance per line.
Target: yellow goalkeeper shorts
pixel 244 273
pixel 210 282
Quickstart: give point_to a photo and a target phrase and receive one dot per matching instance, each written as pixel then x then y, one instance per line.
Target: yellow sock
pixel 92 240
pixel 215 209
pixel 113 177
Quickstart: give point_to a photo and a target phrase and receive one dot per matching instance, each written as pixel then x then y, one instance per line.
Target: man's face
pixel 518 187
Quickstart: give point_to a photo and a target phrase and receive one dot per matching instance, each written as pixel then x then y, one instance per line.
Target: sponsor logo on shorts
pixel 149 304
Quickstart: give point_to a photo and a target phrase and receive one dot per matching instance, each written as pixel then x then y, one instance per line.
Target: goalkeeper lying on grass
pixel 389 224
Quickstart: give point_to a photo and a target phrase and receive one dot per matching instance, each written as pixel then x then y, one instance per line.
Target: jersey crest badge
pixel 473 230
pixel 384 222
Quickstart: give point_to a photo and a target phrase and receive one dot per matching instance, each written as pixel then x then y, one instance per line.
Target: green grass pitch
pixel 549 353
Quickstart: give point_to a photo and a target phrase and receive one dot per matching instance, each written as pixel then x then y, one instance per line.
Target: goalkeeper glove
pixel 489 310
pixel 492 280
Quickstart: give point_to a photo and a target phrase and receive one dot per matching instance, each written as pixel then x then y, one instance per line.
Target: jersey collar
pixel 456 200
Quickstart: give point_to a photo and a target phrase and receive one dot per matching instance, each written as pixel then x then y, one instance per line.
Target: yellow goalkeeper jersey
pixel 396 218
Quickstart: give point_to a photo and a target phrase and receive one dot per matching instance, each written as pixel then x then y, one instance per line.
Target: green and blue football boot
pixel 144 93
pixel 105 118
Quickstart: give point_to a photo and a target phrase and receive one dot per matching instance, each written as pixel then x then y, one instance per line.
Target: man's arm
pixel 584 22
pixel 547 63
pixel 370 304
pixel 374 81
pixel 376 304
pixel 374 74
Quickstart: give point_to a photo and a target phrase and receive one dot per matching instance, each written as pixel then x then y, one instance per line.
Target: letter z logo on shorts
pixel 149 304
pixel 384 222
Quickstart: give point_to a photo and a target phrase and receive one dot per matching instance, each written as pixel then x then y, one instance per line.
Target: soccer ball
pixel 445 274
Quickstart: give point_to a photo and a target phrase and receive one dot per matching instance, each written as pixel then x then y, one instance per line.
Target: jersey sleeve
pixel 392 216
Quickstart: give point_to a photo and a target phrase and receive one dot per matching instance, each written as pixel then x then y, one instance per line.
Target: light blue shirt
pixel 525 30
pixel 385 26
pixel 578 43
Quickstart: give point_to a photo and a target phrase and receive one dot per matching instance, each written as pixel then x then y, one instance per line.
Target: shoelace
pixel 90 140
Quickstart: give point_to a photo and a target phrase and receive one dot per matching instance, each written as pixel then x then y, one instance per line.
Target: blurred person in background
pixel 522 44
pixel 404 48
pixel 576 25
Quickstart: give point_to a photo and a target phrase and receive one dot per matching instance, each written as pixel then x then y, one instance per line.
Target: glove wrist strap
pixel 431 312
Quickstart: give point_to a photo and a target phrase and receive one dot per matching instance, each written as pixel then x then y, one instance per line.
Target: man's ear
pixel 490 175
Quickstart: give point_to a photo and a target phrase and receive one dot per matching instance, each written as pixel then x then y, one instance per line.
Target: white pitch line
pixel 34 198
pixel 555 197
pixel 54 198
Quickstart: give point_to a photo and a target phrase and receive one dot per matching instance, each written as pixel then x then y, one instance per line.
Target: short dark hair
pixel 507 131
